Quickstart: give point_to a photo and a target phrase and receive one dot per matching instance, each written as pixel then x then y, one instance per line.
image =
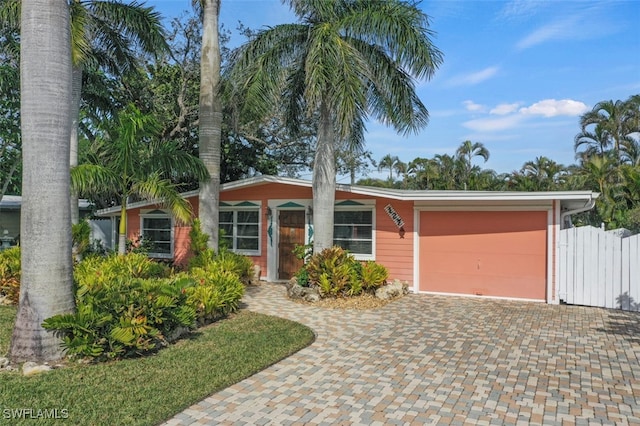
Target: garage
pixel 483 253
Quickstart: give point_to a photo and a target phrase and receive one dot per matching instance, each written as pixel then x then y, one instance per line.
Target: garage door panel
pixel 500 254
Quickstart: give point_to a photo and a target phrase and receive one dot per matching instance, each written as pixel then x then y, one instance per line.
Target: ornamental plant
pixel 131 305
pixel 336 273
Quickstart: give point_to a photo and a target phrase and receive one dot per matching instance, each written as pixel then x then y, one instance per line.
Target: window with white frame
pixel 353 231
pixel 241 229
pixel 157 230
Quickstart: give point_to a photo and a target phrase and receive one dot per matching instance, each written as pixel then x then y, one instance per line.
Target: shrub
pixel 212 293
pixel 116 268
pixel 122 319
pixel 237 264
pixel 130 305
pixel 197 239
pixel 373 275
pixel 332 270
pixel 10 274
pixel 337 273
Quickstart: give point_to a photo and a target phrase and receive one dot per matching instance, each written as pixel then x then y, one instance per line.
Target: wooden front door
pixel 291 227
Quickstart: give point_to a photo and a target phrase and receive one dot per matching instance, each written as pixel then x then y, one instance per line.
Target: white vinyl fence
pixel 599 268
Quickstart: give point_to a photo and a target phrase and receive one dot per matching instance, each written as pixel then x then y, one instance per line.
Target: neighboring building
pixel 496 244
pixel 10 206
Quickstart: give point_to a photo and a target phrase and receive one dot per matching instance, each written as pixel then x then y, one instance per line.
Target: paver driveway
pixel 441 360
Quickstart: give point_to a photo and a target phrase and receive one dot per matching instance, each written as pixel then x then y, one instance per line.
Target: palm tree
pixel 210 119
pixel 103 35
pixel 465 153
pixel 617 120
pixel 130 161
pixel 596 142
pixel 546 174
pixel 45 76
pixel 388 162
pixel 344 61
pixel 447 170
pixel 423 171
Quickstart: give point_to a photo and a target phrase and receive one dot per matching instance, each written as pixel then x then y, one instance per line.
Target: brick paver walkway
pixel 440 360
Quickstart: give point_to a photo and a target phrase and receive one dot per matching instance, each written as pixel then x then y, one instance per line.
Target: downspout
pixel 588 206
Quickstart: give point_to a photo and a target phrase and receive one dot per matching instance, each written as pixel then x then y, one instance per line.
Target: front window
pixel 241 230
pixel 353 231
pixel 157 230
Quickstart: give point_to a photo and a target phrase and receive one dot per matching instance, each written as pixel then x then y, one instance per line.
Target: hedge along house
pixel 492 244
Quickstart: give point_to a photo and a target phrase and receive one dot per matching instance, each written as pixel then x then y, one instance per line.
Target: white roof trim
pixel 395 194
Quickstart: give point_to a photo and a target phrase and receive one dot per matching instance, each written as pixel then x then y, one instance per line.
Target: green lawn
pixel 146 391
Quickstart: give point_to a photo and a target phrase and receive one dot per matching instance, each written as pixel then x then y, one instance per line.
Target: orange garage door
pixel 501 254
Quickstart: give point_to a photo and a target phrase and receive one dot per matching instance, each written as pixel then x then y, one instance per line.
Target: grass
pixel 149 390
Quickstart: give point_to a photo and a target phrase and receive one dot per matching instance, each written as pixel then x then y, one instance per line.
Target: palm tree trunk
pixel 210 121
pixel 46 283
pixel 324 183
pixel 75 119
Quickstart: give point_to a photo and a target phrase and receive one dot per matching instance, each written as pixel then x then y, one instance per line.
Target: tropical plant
pixel 124 309
pixel 210 119
pixel 373 275
pixel 46 280
pixel 344 61
pixel 614 123
pixel 465 154
pixel 388 162
pixel 10 274
pixel 104 36
pixel 130 161
pixel 336 273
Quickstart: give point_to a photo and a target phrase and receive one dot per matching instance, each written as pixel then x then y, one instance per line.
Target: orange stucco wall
pixel 492 253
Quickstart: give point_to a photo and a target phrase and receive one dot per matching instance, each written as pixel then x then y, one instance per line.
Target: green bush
pixel 373 275
pixel 123 318
pixel 115 269
pixel 336 273
pixel 10 274
pixel 130 305
pixel 212 293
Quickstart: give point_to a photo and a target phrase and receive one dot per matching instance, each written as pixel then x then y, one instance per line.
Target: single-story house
pixel 495 244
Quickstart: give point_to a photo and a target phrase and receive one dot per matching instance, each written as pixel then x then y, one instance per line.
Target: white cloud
pixel 553 108
pixel 518 9
pixel 473 107
pixel 493 124
pixel 554 30
pixel 473 78
pixel 504 109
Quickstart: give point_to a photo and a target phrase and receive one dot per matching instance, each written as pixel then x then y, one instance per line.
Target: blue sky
pixel 516 74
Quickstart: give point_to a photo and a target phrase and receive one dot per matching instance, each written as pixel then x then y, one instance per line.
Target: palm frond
pixel 162 191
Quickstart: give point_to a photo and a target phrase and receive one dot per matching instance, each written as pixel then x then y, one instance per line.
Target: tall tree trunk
pixel 324 183
pixel 210 121
pixel 45 86
pixel 75 120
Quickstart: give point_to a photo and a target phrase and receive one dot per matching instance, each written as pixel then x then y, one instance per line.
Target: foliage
pixel 373 275
pixel 207 259
pixel 125 306
pixel 149 390
pixel 197 239
pixel 139 244
pixel 337 273
pixel 303 251
pixel 130 305
pixel 10 274
pixel 213 293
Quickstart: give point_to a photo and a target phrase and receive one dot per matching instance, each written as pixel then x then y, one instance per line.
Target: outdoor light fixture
pixel 269 213
pixel 310 213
